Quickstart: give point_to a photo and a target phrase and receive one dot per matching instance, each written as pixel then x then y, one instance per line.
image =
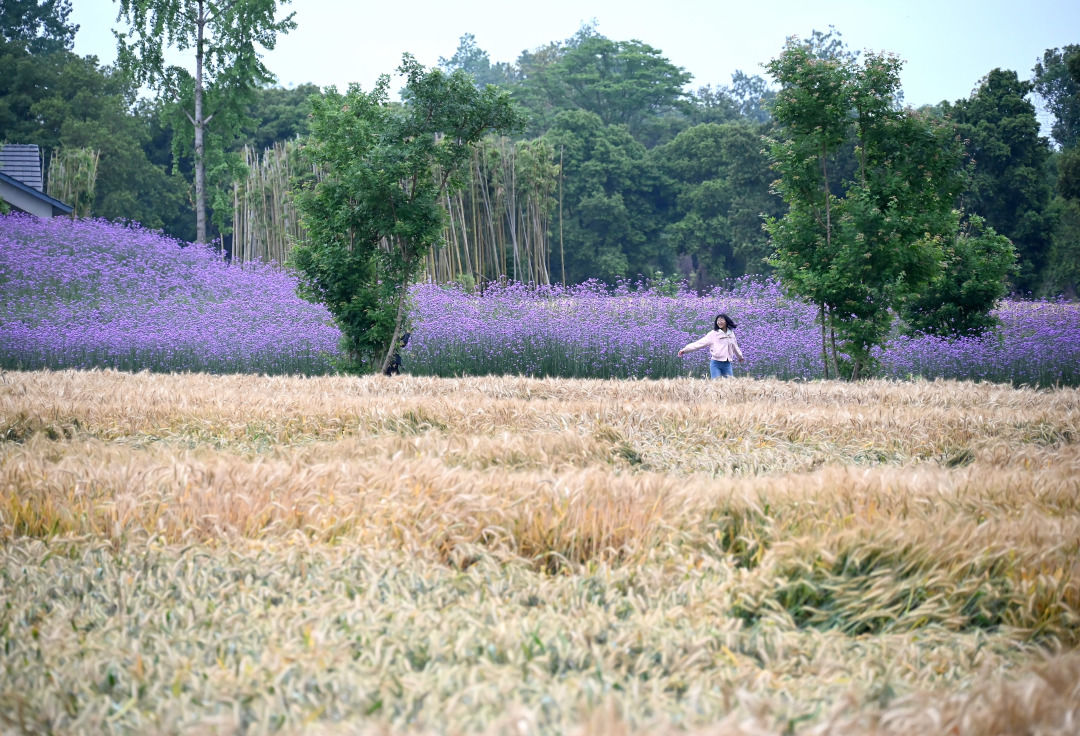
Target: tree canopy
pixel 1009 186
pixel 641 171
pixel 224 39
pixel 376 210
pixel 39 26
pixel 858 246
pixel 1057 80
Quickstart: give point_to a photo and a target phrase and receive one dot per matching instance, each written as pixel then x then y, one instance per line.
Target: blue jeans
pixel 720 369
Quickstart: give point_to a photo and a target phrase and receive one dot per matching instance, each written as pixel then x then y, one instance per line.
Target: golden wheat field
pixel 239 554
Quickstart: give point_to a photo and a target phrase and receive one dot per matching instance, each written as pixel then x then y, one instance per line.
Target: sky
pixel 947 45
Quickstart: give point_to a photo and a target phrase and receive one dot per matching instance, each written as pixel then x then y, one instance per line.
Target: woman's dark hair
pixel 728 321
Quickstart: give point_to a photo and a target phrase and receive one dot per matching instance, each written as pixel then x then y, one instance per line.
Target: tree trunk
pixel 200 163
pixel 824 341
pixel 835 350
pixel 397 330
pixel 562 258
pixel 828 211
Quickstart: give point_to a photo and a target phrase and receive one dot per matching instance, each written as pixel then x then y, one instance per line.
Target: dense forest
pixel 623 170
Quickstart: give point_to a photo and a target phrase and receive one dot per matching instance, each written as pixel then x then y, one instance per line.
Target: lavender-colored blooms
pixel 90 293
pixel 634 332
pixel 590 331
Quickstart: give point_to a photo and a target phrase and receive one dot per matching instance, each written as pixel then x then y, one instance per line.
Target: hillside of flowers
pixel 89 293
pixel 94 294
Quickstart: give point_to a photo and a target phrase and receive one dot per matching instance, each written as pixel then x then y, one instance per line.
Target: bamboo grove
pixel 504 223
pixel 72 176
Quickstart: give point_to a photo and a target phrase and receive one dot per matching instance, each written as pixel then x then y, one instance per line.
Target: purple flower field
pixel 88 293
pixel 94 294
pixel 587 331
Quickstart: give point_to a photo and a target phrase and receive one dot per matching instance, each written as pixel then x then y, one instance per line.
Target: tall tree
pixel 531 79
pixel 610 192
pixel 722 179
pixel 1060 81
pixel 1009 187
pixel 278 114
pixel 752 96
pixel 59 100
pixel 710 104
pixel 475 62
pixel 974 276
pixel 857 247
pixel 1063 267
pixel 622 82
pixel 1057 83
pixel 41 26
pixel 377 210
pixel 223 36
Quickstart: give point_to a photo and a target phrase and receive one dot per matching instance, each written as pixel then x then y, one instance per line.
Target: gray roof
pixel 22 161
pixel 28 199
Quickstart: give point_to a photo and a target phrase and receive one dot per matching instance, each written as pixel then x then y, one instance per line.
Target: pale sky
pixel 947 45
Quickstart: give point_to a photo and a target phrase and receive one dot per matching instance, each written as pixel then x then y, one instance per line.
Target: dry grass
pixel 210 554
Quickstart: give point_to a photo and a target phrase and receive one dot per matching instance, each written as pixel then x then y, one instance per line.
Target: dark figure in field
pixel 395 363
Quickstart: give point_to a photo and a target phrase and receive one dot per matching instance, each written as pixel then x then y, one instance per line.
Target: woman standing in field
pixel 723 347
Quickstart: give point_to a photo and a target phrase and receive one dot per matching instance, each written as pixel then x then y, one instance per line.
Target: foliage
pixel 621 82
pixel 611 190
pixel 223 38
pixel 1057 80
pixel 277 115
pixel 721 181
pixel 37 26
pixel 1063 272
pixel 59 100
pixel 1009 187
pixel 752 97
pixel 72 178
pixel 475 62
pixel 971 282
pixel 375 213
pixel 1068 180
pixel 711 105
pixel 859 255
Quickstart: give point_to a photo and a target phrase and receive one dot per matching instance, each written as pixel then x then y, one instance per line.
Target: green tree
pixel 278 114
pixel 59 100
pixel 752 97
pixel 223 36
pixel 532 74
pixel 1057 80
pixel 621 82
pixel 973 277
pixel 1009 187
pixel 711 105
pixel 857 247
pixel 721 178
pixel 376 212
pixel 475 62
pixel 611 221
pixel 1063 272
pixel 40 26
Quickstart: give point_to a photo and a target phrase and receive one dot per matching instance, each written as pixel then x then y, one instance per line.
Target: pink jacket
pixel 722 345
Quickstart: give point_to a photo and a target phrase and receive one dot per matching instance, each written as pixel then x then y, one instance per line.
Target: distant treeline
pixel 625 169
